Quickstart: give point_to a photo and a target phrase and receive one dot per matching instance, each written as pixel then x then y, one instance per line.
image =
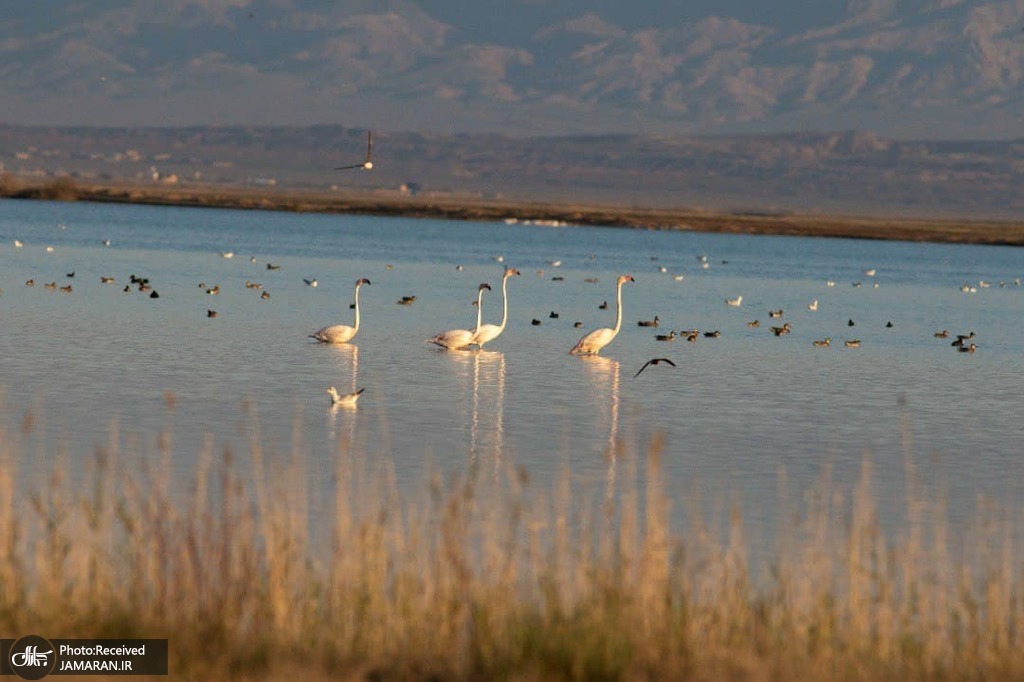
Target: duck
pixel 784 329
pixel 712 335
pixel 852 343
pixel 968 349
pixel 813 305
pixel 824 343
pixel 775 313
pixel 754 324
pixel 962 338
pixel 649 323
pixel 671 336
pixel 734 302
pixel 941 335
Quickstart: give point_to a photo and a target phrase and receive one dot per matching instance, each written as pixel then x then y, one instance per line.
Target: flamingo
pixel 592 343
pixel 489 332
pixel 340 333
pixel 459 339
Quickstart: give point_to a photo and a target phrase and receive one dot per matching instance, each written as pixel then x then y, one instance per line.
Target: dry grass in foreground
pixel 487 578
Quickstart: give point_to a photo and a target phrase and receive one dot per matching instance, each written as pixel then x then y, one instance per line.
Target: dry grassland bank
pixel 454 207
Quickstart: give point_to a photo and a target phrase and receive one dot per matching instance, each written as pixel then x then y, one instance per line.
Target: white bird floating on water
pixel 348 399
pixel 18 243
pixel 870 273
pixel 813 305
pixel 311 282
pixel 367 163
pixel 227 254
pixel 734 302
pixel 341 333
pixel 489 332
pixel 459 339
pixel 592 343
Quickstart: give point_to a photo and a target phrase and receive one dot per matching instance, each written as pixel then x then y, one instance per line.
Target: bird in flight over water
pixel 367 164
pixel 655 361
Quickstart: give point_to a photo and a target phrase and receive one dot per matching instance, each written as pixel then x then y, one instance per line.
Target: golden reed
pixel 251 574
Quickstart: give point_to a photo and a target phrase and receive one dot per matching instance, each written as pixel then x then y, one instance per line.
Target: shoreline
pixel 469 208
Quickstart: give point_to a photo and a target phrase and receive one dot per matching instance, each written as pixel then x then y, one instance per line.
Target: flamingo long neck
pixel 479 308
pixel 504 303
pixel 618 308
pixel 356 325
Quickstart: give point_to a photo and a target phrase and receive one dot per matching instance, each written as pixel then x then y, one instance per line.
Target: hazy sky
pixel 910 68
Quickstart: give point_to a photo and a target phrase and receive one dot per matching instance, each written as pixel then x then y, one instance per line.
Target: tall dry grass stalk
pixel 493 577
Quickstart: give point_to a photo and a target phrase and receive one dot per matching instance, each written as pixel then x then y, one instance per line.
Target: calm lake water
pixel 733 412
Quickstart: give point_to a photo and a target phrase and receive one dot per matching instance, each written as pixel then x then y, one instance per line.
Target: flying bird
pixel 367 164
pixel 654 361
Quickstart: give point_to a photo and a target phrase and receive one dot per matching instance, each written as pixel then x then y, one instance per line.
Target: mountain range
pixel 911 69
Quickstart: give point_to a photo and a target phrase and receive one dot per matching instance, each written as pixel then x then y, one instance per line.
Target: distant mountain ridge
pixel 843 172
pixel 903 68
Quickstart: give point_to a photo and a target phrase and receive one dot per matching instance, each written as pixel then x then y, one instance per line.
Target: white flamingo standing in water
pixel 489 332
pixel 592 343
pixel 459 339
pixel 341 333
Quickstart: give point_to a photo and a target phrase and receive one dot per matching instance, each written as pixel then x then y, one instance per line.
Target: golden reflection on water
pixel 488 406
pixel 605 375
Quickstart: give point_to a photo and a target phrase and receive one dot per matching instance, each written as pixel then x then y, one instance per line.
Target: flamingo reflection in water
pixel 489 390
pixel 606 378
